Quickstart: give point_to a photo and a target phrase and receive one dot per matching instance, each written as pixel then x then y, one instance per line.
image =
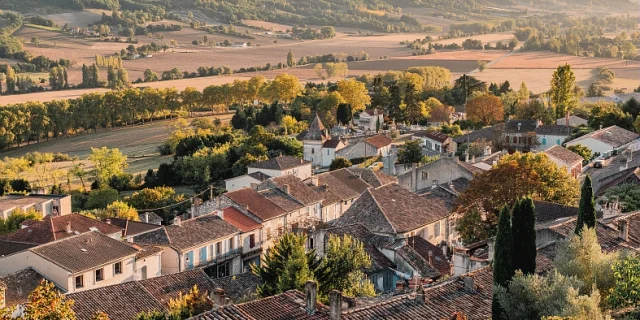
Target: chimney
pixel 218 297
pixel 285 188
pixel 434 184
pixel 623 230
pixel 487 150
pixel 218 201
pixel 430 257
pixel 445 249
pixel 246 207
pixel 311 294
pixel 177 221
pixel 519 126
pixel 491 246
pixel 468 283
pixel 466 157
pixel 108 221
pixel 538 123
pixel 326 187
pixel 566 119
pixel 314 181
pixel 419 295
pixel 473 159
pixel 220 213
pixel 335 305
pixel 146 217
pixel 67 227
pixel 601 126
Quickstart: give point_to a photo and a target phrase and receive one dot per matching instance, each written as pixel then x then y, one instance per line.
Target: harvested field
pixel 76 19
pixel 471 55
pixel 491 38
pixel 405 63
pixel 267 25
pixel 550 60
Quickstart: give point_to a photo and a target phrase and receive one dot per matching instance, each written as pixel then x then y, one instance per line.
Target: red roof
pixel 239 219
pixel 257 204
pixel 379 141
pixel 54 228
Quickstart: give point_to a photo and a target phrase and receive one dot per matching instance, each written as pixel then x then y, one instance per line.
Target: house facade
pixel 521 134
pixel 86 261
pixel 566 159
pixel 312 140
pixel 551 135
pixel 280 166
pixel 605 140
pixel 55 205
pixel 420 178
pixel 206 242
pixel 436 141
pixel 370 120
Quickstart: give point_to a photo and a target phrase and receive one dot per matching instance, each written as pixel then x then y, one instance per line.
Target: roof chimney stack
pixel 623 230
pixel 311 296
pixel 67 227
pixel 146 217
pixel 519 126
pixel 108 221
pixel 468 283
pixel 285 188
pixel 314 181
pixel 218 297
pixel 335 305
pixel 177 221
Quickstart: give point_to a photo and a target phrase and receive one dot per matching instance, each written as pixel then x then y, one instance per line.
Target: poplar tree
pixel 524 236
pixel 587 207
pixel 563 96
pixel 502 261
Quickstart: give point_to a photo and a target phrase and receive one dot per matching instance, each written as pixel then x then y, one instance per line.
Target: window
pixel 218 248
pixel 558 142
pixel 117 268
pixel 79 282
pixel 189 260
pixel 252 240
pixel 268 233
pixel 313 150
pixel 203 254
pixel 327 151
pixel 544 141
pixel 436 229
pixel 425 175
pixel 99 274
pixel 425 233
pixel 231 244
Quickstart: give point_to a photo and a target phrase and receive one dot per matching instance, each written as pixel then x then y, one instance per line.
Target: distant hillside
pixel 25 5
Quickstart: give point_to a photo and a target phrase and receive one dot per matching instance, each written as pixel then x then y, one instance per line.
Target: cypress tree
pixel 587 208
pixel 502 265
pixel 524 236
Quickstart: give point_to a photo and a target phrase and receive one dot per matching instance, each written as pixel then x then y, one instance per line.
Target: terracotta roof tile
pixel 11 247
pixel 554 130
pixel 84 251
pixel 613 136
pixel 379 141
pixel 240 287
pixel 372 177
pixel 120 302
pixel 423 247
pixel 433 135
pixel 257 204
pixel 54 228
pixel 279 163
pixel 297 189
pixel 131 227
pixel 316 131
pixel 564 155
pixel 350 180
pixel 239 220
pixel 281 199
pixel 525 126
pixel 287 305
pixel 190 233
pixel 19 285
pixel 393 209
pixel 170 286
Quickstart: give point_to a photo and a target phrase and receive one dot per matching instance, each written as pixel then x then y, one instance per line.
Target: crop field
pixel 76 18
pixel 138 142
pixel 536 69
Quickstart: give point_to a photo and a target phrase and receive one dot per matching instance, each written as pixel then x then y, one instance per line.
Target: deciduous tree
pixel 487 109
pixel 410 152
pixel 107 162
pixel 46 302
pixel 190 304
pixel 339 163
pixel 354 93
pixel 563 96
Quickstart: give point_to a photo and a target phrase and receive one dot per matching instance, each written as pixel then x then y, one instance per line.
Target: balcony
pixel 219 258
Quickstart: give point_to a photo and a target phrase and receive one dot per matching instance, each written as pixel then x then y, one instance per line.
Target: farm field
pixel 536 69
pixel 138 142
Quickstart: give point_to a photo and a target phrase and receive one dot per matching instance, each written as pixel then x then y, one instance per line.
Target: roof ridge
pixel 381 210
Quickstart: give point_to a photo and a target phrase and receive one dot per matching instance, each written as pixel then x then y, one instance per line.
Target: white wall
pixel 302 172
pixel 328 154
pixel 240 182
pixel 313 152
pixel 593 144
pixel 24 259
pixel 547 141
pixel 153 264
pixel 110 278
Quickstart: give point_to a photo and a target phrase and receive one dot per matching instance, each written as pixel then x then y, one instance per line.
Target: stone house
pixel 605 140
pixel 420 178
pixel 436 141
pixel 521 134
pixel 564 158
pixel 370 119
pixel 46 204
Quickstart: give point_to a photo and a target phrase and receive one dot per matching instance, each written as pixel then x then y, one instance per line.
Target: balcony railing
pixel 219 258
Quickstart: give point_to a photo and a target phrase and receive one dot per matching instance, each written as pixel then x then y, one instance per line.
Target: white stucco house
pixel 552 135
pixel 605 140
pixel 370 119
pixel 565 158
pixel 436 141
